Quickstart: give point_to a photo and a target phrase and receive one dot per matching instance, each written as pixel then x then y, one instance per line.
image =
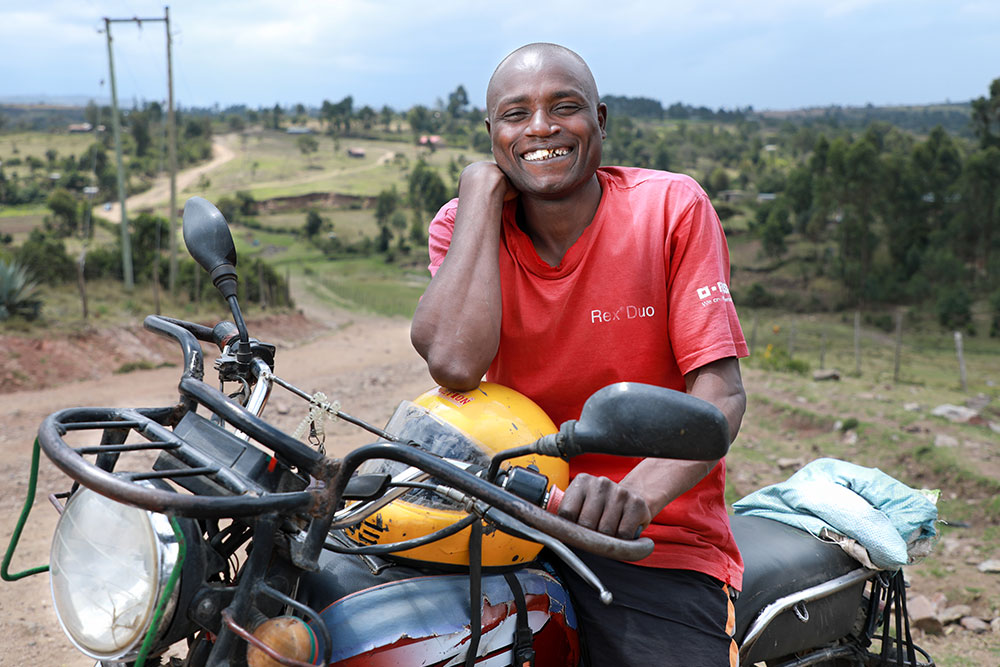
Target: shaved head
pixel 537 57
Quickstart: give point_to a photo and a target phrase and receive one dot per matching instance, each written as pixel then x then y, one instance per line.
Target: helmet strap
pixel 475 591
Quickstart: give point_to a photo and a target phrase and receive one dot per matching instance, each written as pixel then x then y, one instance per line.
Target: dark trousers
pixel 659 618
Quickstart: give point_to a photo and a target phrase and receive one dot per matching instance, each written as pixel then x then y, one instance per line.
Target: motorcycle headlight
pixel 109 566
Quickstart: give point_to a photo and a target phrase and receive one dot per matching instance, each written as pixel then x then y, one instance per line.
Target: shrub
pixel 777 359
pixel 18 292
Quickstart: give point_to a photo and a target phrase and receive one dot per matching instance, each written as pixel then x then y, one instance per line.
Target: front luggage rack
pixel 224 476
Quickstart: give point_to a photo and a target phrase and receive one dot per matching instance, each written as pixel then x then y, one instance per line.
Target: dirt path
pixel 365 362
pixel 159 195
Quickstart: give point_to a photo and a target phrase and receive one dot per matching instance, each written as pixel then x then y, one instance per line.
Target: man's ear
pixel 602 118
pixel 489 132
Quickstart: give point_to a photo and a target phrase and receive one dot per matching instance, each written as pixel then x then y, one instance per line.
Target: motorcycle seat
pixel 780 560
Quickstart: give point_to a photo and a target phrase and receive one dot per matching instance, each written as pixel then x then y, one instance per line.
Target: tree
pixel 986 117
pixel 386 204
pixel 314 223
pixel 139 128
pixel 385 116
pixel 276 114
pixel 428 192
pixel 307 145
pixel 367 116
pixel 457 101
pixel 65 212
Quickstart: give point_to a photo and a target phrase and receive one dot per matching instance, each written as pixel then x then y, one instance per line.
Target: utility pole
pixel 172 149
pixel 116 128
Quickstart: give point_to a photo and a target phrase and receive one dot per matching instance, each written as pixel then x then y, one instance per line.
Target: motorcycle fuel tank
pixel 406 616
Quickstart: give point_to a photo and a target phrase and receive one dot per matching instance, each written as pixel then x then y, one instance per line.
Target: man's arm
pixel 456 327
pixel 622 509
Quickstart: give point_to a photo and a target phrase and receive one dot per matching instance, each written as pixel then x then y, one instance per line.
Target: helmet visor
pixel 417 425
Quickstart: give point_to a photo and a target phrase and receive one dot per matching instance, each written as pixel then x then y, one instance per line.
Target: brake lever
pixel 510 525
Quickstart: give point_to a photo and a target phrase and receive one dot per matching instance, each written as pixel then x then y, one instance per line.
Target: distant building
pixel 356 152
pixel 299 129
pixel 431 140
pixel 732 195
pixel 766 196
pixel 77 128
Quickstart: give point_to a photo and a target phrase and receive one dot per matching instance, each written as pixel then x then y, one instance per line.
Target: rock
pixel 973 624
pixel 978 402
pixel 995 625
pixel 786 464
pixel 911 407
pixel 954 614
pixel 991 566
pixel 995 427
pixel 850 438
pixel 923 615
pixel 826 375
pixel 942 440
pixel 955 413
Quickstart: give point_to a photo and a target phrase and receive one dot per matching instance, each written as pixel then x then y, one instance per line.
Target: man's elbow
pixel 454 374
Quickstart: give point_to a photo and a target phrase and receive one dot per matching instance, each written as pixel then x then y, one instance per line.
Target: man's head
pixel 545 120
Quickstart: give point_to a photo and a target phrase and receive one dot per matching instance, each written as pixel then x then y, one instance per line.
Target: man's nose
pixel 541 124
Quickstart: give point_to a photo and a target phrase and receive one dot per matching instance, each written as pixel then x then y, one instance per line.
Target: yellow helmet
pixel 468 426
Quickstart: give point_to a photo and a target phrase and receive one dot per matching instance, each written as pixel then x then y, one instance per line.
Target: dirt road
pixel 158 196
pixel 366 363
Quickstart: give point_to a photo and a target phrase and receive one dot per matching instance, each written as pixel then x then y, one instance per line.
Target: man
pixel 556 278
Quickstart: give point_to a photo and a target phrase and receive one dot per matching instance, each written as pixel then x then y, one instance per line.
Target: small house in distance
pixel 77 128
pixel 355 151
pixel 431 141
pixel 298 129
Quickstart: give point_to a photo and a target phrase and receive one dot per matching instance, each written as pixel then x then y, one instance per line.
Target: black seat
pixel 781 560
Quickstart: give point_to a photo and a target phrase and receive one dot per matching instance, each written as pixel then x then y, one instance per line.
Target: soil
pixel 367 364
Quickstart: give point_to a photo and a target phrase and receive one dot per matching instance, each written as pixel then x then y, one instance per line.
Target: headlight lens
pixel 109 563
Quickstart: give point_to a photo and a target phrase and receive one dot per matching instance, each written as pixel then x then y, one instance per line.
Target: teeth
pixel 545 154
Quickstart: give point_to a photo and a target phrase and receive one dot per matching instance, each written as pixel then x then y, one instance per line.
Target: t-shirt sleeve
pixel 703 323
pixel 439 234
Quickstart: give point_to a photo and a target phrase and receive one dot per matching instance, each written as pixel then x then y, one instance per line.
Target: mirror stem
pixel 244 355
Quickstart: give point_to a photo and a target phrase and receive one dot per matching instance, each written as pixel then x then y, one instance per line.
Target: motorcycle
pixel 217 536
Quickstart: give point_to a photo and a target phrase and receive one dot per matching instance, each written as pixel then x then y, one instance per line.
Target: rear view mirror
pixel 210 242
pixel 633 419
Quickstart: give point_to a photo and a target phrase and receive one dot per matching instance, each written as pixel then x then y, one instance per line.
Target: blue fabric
pixel 884 515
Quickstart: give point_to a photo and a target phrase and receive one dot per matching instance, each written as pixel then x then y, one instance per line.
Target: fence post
pixel 961 361
pixel 899 344
pixel 857 343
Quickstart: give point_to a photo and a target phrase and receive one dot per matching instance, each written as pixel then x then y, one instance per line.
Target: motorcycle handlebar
pixel 536 517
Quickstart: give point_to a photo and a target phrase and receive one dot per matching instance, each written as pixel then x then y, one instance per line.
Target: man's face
pixel 545 124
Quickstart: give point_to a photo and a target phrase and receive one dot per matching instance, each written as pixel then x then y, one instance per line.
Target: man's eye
pixel 515 115
pixel 567 108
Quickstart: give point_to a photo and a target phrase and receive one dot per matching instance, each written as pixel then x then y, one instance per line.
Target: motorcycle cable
pixel 384 549
pixel 332 409
pixel 22 519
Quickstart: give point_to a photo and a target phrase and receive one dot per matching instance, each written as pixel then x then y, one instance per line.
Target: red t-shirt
pixel 642 296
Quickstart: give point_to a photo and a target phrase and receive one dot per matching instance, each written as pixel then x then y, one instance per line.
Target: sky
pixel 768 54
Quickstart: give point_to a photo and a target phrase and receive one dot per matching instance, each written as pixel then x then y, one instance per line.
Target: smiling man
pixel 557 277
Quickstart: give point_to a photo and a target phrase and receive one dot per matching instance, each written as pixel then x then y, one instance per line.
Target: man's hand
pixel 600 504
pixel 485 176
pixel 621 509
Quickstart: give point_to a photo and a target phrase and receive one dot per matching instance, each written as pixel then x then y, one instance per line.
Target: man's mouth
pixel 545 154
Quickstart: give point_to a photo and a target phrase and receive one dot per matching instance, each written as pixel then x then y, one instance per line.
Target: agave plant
pixel 18 292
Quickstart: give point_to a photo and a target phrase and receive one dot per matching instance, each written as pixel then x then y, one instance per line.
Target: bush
pixel 954 308
pixel 45 258
pixel 777 359
pixel 17 292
